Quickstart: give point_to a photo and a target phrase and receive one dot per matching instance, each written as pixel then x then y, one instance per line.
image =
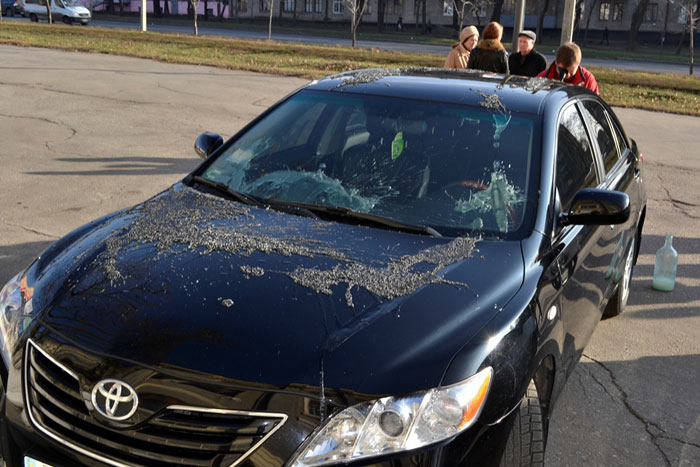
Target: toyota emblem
pixel 114 399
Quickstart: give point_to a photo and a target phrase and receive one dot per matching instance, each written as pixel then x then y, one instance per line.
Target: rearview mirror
pixel 207 143
pixel 592 206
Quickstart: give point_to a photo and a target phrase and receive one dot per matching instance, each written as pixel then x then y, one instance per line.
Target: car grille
pixel 180 435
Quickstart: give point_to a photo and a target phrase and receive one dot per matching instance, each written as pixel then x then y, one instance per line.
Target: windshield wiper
pixel 254 200
pixel 336 212
pixel 224 188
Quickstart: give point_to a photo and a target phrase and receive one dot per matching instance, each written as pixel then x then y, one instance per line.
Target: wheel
pixel 33 18
pixel 618 302
pixel 527 438
pixel 9 12
pixel 67 20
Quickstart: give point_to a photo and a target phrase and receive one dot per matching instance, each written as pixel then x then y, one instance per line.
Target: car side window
pixel 602 133
pixel 575 160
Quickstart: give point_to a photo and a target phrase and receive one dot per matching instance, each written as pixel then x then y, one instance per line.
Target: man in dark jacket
pixel 527 61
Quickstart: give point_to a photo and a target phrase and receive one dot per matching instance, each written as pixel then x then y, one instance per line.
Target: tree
pixel 691 10
pixel 48 11
pixel 462 7
pixel 588 21
pixel 270 6
pixel 497 8
pixel 381 9
pixel 195 5
pixel 540 19
pixel 637 18
pixel 357 9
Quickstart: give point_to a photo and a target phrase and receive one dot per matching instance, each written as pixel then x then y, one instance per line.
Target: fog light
pixel 391 423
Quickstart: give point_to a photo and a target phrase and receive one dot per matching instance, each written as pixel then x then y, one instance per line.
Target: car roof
pixel 467 87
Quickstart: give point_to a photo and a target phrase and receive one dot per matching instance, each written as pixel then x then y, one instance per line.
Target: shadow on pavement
pixel 115 166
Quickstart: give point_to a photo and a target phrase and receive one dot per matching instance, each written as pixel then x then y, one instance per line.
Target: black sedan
pixel 387 267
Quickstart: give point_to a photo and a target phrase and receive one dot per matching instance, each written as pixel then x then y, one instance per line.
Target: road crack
pixel 28 229
pixel 648 425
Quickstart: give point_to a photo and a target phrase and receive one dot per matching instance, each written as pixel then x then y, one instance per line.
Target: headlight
pixel 15 306
pixel 395 424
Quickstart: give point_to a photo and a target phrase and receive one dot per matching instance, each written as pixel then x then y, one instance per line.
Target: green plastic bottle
pixel 665 267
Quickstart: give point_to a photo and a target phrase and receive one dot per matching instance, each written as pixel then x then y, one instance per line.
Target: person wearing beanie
pixel 459 54
pixel 489 54
pixel 526 61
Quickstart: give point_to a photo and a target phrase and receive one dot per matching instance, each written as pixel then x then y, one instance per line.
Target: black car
pixel 387 267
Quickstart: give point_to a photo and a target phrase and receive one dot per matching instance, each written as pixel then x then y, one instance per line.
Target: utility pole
pixel 143 15
pixel 567 25
pixel 518 23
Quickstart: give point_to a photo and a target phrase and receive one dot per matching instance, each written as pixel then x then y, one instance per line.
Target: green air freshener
pixel 397 146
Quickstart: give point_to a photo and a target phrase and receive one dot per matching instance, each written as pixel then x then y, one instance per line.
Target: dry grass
pixel 666 93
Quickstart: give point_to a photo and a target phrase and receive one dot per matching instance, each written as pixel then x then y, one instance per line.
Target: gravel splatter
pixel 536 84
pixel 491 101
pixel 252 271
pixel 228 303
pixel 397 278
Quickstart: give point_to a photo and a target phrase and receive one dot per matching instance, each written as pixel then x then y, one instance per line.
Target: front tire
pixel 33 18
pixel 527 438
pixel 67 20
pixel 618 302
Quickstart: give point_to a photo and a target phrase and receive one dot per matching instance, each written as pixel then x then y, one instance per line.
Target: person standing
pixel 567 68
pixel 459 54
pixel 489 53
pixel 526 61
pixel 606 34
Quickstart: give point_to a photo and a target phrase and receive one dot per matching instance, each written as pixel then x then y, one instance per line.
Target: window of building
pixel 318 6
pixel 575 163
pixel 604 13
pixel 398 7
pixel 337 7
pixel 264 6
pixel 651 13
pixel 242 5
pixel 617 11
pixel 682 15
pixel 308 6
pixel 288 5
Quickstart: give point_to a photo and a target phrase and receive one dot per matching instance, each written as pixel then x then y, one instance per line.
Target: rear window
pixel 455 168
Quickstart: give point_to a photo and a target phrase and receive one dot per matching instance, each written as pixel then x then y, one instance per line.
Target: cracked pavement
pixel 84 135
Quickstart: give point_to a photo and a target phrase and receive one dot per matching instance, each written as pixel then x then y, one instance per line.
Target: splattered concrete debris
pixel 396 278
pixel 252 271
pixel 491 101
pixel 535 84
pixel 228 303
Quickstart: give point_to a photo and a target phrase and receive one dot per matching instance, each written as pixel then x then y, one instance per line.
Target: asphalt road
pixel 84 135
pixel 623 64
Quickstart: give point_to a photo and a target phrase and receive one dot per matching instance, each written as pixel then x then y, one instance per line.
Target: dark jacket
pixel 527 65
pixel 489 55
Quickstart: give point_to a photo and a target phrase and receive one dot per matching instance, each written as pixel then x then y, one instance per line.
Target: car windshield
pixel 458 169
pixel 72 2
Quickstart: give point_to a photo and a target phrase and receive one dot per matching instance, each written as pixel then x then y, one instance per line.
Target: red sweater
pixel 582 77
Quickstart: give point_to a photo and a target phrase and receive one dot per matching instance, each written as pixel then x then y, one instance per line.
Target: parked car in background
pixel 387 267
pixel 11 8
pixel 68 11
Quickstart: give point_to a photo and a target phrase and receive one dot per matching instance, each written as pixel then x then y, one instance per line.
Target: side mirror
pixel 593 206
pixel 207 143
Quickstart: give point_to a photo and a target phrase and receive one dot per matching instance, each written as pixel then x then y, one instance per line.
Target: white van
pixel 68 11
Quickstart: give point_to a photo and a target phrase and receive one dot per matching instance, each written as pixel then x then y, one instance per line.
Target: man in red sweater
pixel 566 68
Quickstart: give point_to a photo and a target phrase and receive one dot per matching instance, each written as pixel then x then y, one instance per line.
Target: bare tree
pixel 540 19
pixel 462 8
pixel 497 9
pixel 195 5
pixel 691 11
pixel 270 6
pixel 48 11
pixel 357 9
pixel 588 21
pixel 637 18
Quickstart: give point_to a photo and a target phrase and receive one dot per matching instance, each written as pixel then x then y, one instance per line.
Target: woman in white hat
pixel 459 54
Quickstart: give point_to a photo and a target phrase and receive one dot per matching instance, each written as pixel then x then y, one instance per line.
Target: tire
pixel 67 20
pixel 527 438
pixel 33 18
pixel 618 302
pixel 10 12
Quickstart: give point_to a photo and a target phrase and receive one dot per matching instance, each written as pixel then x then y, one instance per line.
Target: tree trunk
pixel 325 18
pixel 156 8
pixel 353 26
pixel 680 42
pixel 423 7
pixel 196 29
pixel 48 11
pixel 540 20
pixel 637 19
pixel 206 10
pixel 121 7
pixel 692 35
pixel 294 14
pixel 497 8
pixel 577 18
pixel 269 24
pixel 588 22
pixel 381 5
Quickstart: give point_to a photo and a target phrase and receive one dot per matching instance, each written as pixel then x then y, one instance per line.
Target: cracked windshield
pixel 456 169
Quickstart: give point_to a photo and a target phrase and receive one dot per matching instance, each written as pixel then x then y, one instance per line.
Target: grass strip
pixel 651 91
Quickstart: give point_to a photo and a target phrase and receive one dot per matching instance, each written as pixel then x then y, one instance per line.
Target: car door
pixel 579 250
pixel 619 172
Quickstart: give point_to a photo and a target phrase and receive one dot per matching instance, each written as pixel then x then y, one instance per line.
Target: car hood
pixel 194 281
